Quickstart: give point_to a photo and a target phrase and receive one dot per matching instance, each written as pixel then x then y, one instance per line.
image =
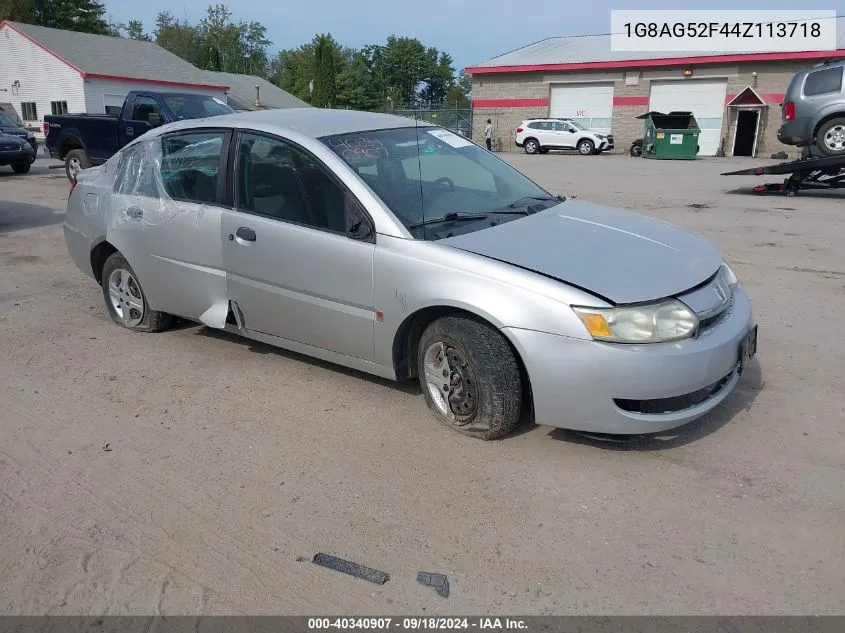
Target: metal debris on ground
pixel 353 569
pixel 107 447
pixel 439 581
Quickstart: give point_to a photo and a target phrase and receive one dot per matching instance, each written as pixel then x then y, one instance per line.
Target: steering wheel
pixel 445 182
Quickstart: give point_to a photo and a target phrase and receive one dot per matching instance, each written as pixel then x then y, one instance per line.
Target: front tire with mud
pixel 125 299
pixel 470 377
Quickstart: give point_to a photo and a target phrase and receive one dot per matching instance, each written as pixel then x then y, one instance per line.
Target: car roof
pixel 313 122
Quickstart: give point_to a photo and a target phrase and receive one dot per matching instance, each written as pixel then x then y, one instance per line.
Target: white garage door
pixel 704 98
pixel 589 104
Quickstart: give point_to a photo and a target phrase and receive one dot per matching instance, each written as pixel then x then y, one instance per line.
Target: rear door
pixel 294 266
pixel 167 210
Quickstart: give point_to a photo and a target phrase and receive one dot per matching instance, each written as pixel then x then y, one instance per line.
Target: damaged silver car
pixel 407 251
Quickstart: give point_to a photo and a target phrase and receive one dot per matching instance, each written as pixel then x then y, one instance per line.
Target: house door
pixel 745 136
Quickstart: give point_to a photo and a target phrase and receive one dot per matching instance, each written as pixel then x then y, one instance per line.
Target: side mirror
pixel 154 119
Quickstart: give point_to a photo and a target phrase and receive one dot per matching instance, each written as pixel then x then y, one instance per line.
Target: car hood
pixel 619 255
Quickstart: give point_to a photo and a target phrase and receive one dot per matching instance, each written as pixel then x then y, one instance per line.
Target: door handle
pixel 135 213
pixel 246 234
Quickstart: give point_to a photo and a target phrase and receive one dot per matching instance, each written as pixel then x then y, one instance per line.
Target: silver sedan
pixel 407 251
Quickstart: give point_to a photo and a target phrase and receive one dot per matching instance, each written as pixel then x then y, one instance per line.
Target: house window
pixel 58 107
pixel 29 110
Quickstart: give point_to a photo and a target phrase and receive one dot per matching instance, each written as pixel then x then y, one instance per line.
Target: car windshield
pixel 430 177
pixel 196 106
pixel 6 121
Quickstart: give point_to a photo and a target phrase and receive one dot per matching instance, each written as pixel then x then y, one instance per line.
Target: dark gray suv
pixel 813 111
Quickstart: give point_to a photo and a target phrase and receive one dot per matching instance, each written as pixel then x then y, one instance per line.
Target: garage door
pixel 705 99
pixel 589 104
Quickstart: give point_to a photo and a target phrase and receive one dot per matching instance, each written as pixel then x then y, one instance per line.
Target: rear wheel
pixel 75 161
pixel 21 168
pixel 470 377
pixel 125 298
pixel 531 146
pixel 586 147
pixel 831 138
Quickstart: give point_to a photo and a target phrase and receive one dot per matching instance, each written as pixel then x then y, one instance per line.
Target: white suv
pixel 538 136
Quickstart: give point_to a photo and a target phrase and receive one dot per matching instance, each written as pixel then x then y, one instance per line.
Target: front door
pixel 565 135
pixel 166 222
pixel 294 269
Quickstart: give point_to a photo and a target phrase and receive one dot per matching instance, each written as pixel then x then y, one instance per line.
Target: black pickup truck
pixel 84 140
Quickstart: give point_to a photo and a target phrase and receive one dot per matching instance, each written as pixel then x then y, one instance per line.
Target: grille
pixel 6 147
pixel 674 404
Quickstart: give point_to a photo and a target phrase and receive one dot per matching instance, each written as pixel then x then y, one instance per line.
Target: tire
pixel 485 387
pixel 636 150
pixel 586 147
pixel 531 146
pixel 75 161
pixel 22 168
pixel 830 140
pixel 126 286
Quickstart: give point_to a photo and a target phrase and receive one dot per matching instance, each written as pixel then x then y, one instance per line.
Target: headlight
pixel 729 274
pixel 657 323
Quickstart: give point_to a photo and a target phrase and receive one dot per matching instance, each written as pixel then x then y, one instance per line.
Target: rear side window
pixel 823 81
pixel 190 165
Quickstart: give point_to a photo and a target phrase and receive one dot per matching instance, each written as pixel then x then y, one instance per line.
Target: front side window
pixel 278 180
pixel 190 165
pixel 144 107
pixel 429 177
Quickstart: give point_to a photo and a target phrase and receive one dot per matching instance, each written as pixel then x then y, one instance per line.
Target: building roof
pixel 117 58
pixel 594 51
pixel 242 92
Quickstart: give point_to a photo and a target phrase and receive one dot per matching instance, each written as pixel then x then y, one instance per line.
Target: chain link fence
pixel 455 119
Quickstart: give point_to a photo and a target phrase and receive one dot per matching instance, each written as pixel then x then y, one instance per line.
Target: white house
pixel 49 71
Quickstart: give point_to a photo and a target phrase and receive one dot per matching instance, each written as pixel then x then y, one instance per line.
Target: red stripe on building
pixel 668 61
pixel 509 103
pixel 630 101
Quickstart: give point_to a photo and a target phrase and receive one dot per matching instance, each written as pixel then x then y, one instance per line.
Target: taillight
pixel 789 111
pixel 518 130
pixel 45 128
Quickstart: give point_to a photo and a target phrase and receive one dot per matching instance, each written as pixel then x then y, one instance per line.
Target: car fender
pixel 70 135
pixel 831 111
pixel 412 277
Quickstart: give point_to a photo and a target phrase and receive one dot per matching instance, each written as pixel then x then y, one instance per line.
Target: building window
pixel 29 110
pixel 58 107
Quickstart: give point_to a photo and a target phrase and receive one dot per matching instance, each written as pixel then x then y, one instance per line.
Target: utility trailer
pixel 805 173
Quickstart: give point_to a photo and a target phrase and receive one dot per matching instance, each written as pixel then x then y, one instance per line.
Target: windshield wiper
pixel 522 201
pixel 449 217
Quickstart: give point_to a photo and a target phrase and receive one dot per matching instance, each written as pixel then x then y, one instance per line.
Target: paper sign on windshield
pixel 450 138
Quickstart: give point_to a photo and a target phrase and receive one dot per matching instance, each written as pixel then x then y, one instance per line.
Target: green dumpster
pixel 670 136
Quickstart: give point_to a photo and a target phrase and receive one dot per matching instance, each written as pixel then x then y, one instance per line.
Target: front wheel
pixel 75 161
pixel 470 377
pixel 21 168
pixel 125 299
pixel 831 138
pixel 586 147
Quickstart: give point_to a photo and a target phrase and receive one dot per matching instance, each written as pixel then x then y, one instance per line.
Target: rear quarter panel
pixel 86 217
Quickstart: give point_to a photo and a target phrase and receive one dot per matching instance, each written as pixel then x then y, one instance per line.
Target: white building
pixel 49 71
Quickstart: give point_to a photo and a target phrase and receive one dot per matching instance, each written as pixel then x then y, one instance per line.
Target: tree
pixel 440 76
pixel 293 70
pixel 325 72
pixel 87 16
pixel 355 85
pixel 458 94
pixel 16 10
pixel 179 37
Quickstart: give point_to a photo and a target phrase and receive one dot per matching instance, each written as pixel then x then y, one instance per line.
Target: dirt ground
pixel 228 461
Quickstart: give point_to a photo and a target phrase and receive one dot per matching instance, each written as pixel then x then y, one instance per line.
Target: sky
pixel 469 30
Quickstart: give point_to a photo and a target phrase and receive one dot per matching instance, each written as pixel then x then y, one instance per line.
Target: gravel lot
pixel 229 460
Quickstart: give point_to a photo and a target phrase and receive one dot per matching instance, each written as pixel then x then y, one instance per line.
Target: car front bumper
pixel 616 389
